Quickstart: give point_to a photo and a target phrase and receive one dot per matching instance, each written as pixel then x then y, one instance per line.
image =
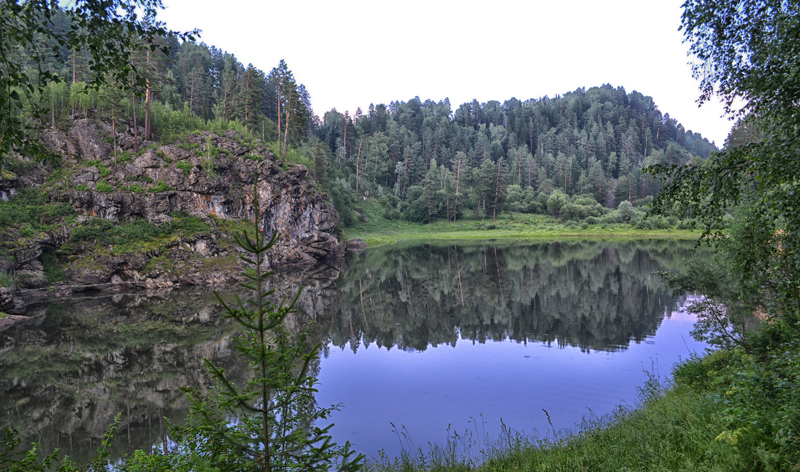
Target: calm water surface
pixel 428 338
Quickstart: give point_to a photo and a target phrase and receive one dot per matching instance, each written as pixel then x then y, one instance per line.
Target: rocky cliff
pixel 154 215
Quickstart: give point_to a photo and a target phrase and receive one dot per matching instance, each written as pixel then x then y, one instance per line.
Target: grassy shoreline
pixel 513 226
pixel 679 427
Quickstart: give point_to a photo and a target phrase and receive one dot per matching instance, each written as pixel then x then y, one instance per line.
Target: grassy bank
pixel 695 425
pixel 377 231
pixel 735 409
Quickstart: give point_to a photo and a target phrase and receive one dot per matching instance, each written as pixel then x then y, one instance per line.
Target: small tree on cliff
pixel 270 423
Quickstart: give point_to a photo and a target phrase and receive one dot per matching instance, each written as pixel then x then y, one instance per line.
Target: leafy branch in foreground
pixel 747 53
pixel 109 31
pixel 269 423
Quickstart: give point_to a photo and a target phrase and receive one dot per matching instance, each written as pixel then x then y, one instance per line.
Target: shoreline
pixel 407 232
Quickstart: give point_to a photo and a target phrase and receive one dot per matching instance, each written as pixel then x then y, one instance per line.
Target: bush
pixel 26 230
pixel 186 167
pixel 104 187
pixel 135 188
pixel 159 187
pixel 625 211
pixel 95 229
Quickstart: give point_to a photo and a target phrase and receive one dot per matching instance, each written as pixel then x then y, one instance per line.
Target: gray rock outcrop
pixel 206 175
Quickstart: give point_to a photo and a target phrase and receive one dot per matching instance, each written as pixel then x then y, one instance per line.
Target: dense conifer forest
pixel 573 156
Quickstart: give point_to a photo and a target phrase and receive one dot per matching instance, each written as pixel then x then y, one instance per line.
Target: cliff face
pixel 205 176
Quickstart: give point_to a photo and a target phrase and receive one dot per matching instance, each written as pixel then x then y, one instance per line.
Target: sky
pixel 351 53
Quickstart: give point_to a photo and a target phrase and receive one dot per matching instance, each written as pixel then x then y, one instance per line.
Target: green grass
pixel 507 226
pixel 673 430
pixel 728 411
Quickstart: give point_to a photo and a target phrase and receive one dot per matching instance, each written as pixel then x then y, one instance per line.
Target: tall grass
pixel 683 427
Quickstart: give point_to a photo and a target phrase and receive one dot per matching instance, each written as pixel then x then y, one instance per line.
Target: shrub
pixel 135 188
pixel 92 230
pixel 625 211
pixel 104 187
pixel 161 186
pixel 26 230
pixel 184 166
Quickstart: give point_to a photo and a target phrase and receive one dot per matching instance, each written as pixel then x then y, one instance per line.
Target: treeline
pixel 592 295
pixel 425 160
pixel 573 156
pixel 187 87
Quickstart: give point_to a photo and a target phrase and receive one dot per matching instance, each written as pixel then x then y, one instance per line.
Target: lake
pixel 421 342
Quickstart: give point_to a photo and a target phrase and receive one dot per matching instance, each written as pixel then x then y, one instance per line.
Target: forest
pixel 574 156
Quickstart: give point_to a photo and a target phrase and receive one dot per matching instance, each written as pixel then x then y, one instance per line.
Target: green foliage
pixel 556 203
pixel 12 460
pixel 103 232
pixel 26 230
pixel 6 280
pixel 124 156
pixel 188 224
pixel 161 186
pixel 41 29
pixel 53 271
pixel 625 210
pixel 186 167
pixel 104 187
pixel 135 188
pixel 32 208
pixel 82 188
pixel 92 230
pixel 140 178
pixel 736 60
pixel 209 166
pixel 275 415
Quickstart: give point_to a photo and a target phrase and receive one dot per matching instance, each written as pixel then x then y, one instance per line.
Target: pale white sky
pixel 351 53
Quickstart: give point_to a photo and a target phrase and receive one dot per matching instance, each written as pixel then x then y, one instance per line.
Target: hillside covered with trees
pixel 573 156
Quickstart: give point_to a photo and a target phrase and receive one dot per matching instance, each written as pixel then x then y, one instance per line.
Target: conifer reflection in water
pixel 65 374
pixel 597 295
pixel 431 335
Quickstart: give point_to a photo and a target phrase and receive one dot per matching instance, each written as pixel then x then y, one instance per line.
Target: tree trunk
pixel 148 100
pixel 280 152
pixel 286 133
pixel 135 122
pixel 246 103
pixel 114 137
pixel 358 157
pixel 496 193
pixel 458 178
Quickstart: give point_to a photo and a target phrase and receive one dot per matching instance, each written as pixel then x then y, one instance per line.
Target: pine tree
pixel 251 96
pixel 275 415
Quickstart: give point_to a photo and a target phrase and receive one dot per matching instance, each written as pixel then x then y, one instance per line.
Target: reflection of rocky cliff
pixel 72 366
pixel 595 295
pixel 69 368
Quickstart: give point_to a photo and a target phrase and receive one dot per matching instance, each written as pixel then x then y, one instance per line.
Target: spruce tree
pixel 270 423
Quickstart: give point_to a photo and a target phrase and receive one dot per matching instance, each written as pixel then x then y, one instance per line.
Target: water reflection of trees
pixel 66 372
pixel 594 295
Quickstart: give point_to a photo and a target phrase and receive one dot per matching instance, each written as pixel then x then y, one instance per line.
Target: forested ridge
pixel 423 160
